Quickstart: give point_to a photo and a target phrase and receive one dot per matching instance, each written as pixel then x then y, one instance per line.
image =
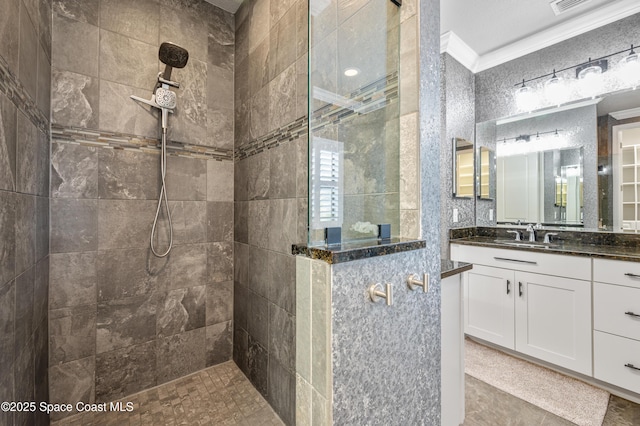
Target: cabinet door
pixel 553 320
pixel 488 305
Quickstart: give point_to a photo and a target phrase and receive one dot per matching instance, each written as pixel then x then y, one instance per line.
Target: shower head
pixel 173 56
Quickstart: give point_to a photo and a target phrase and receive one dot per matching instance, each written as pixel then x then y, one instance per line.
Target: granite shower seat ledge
pixel 348 252
pixel 571 248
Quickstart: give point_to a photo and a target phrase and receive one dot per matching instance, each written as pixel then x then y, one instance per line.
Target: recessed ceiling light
pixel 351 72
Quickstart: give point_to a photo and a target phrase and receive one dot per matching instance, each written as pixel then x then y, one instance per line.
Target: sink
pixel 527 244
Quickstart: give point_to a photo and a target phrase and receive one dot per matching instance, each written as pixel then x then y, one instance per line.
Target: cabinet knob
pixel 631 314
pixel 520 288
pixel 508 288
pixel 631 366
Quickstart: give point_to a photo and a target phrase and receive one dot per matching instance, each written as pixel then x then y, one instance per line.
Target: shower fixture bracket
pixel 151 102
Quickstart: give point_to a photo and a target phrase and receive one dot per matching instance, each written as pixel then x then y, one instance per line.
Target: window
pixel 327 194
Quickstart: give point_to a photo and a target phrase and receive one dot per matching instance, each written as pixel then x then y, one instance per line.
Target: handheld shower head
pixel 173 56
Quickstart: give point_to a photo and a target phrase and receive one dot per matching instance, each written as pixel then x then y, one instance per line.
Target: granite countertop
pixel 347 252
pixel 449 268
pixel 572 248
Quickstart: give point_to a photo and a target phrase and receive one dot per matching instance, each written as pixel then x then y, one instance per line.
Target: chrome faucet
pixel 532 233
pixel 518 235
pixel 547 237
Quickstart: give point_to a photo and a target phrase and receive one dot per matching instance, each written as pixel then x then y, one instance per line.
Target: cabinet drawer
pixel 610 306
pixel 611 354
pixel 526 261
pixel 617 272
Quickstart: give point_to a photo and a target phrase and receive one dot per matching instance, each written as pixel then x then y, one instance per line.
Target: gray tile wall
pixel 25 75
pixel 270 211
pixel 123 320
pixel 458 121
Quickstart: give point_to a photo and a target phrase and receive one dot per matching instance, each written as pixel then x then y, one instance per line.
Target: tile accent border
pixel 294 130
pixel 14 90
pixel 373 96
pixel 113 140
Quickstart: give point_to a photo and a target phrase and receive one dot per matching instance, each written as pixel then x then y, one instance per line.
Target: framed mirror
pixel 462 172
pixel 486 172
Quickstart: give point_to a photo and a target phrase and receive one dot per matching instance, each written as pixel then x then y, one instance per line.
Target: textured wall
pixel 375 380
pixel 430 136
pixel 458 121
pixel 25 79
pixel 270 192
pixel 578 128
pixel 494 87
pixel 123 320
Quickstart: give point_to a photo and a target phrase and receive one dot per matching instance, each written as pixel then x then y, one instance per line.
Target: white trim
pixel 546 111
pixel 627 113
pixel 453 45
pixel 568 29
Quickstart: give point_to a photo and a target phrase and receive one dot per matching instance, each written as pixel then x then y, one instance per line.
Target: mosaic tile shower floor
pixel 219 395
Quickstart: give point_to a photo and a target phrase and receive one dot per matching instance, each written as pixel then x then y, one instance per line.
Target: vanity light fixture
pixel 589 81
pixel 527 138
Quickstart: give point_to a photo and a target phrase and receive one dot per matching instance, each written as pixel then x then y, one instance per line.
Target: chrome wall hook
pixel 376 293
pixel 413 282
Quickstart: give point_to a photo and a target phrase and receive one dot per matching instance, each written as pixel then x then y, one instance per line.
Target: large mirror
pixel 585 87
pixel 463 172
pixel 572 166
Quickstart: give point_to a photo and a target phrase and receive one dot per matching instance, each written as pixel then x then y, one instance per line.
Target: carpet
pixel 564 396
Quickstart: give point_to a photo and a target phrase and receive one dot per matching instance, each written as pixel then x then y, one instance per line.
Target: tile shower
pixel 119 320
pixel 122 320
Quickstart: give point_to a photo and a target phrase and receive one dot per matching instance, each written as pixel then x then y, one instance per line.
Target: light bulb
pixel 590 80
pixel 629 69
pixel 525 98
pixel 555 90
pixel 351 72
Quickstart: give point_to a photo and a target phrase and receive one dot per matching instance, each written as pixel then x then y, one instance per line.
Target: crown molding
pixel 564 31
pixel 453 45
pixel 627 113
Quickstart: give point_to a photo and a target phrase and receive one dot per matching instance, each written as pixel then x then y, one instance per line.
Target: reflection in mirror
pixel 486 172
pixel 462 168
pixel 541 187
pixel 546 166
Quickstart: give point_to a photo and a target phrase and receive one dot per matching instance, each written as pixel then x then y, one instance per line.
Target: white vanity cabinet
pixel 616 323
pixel 488 305
pixel 536 303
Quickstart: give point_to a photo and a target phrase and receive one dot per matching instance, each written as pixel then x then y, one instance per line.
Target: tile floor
pixel 219 395
pixel 222 395
pixel 486 405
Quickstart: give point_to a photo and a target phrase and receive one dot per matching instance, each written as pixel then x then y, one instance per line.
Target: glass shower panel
pixel 353 118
